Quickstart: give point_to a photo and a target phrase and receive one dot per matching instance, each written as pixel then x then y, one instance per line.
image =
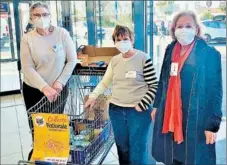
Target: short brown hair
pixel 122 30
pixel 184 13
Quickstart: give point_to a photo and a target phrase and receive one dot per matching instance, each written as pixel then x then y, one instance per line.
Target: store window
pixel 79 23
pixel 108 14
pixel 163 13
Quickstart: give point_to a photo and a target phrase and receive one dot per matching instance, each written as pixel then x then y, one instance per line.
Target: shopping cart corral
pixel 91 135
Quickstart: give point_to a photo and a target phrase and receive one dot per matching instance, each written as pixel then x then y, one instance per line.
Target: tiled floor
pixel 16 140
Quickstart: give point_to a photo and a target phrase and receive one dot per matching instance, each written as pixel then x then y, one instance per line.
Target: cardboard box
pixel 96 54
pixel 83 59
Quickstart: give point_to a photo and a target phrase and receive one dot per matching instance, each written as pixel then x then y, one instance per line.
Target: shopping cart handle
pixel 80 49
pixel 43 163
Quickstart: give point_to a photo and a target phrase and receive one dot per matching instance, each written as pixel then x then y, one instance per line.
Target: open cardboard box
pixel 92 54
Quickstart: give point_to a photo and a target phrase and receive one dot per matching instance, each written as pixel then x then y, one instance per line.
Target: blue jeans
pixel 131 133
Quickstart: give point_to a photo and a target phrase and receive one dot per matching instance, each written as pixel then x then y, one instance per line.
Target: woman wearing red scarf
pixel 187 107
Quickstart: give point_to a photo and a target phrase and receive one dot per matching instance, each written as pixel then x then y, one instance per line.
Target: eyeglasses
pixel 181 26
pixel 37 15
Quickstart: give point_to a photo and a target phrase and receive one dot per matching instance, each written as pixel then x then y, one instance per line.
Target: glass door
pixel 10 79
pixel 108 14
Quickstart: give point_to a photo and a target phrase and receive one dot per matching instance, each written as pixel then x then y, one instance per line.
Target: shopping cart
pixel 91 135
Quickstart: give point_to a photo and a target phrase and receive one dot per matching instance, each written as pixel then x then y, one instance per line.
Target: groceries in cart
pixel 83 132
pixel 82 139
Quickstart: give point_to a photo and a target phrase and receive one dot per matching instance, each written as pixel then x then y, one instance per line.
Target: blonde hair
pixel 185 13
pixel 38 5
pixel 122 30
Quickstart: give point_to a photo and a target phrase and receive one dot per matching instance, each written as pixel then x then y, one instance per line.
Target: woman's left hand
pixel 210 137
pixel 57 86
pixel 138 109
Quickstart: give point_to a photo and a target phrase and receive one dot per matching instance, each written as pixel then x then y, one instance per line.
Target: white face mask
pixel 42 23
pixel 124 46
pixel 185 36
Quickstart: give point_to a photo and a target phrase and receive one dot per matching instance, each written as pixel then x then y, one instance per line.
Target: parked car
pixel 4 33
pixel 214 30
pixel 220 17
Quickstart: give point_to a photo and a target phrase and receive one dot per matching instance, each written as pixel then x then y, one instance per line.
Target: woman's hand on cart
pixel 50 93
pixel 57 86
pixel 90 103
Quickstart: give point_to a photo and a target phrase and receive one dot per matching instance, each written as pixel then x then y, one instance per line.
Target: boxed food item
pixel 79 127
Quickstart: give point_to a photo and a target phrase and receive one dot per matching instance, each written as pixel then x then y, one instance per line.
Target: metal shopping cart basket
pixel 91 136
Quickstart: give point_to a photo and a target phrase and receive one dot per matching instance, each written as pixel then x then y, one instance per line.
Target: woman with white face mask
pixel 134 85
pixel 48 57
pixel 187 108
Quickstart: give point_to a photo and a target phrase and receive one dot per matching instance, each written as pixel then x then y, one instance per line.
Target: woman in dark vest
pixel 187 107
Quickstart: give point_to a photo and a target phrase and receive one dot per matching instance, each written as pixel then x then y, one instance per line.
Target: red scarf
pixel 173 108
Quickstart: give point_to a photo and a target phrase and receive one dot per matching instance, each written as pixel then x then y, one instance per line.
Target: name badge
pixel 57 47
pixel 130 74
pixel 174 69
